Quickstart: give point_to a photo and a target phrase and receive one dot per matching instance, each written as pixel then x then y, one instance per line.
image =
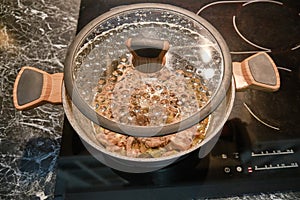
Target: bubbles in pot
pixel 107 80
pixel 192 46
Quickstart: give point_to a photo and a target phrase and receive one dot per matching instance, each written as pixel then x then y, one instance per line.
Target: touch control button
pixel 239 169
pixel 236 155
pixel 227 170
pixel 224 156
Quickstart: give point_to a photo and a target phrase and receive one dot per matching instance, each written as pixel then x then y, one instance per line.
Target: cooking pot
pixel 133 49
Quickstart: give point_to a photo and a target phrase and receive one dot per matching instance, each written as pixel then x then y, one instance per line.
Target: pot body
pixel 84 128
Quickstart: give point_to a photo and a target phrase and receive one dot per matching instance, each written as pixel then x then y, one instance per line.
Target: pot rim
pixel 142 131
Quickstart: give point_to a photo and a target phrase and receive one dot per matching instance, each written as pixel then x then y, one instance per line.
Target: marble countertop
pixel 37 33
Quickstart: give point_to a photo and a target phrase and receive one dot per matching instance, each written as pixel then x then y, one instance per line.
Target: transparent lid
pixel 147 70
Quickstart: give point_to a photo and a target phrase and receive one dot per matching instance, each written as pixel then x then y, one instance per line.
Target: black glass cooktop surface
pixel 259 149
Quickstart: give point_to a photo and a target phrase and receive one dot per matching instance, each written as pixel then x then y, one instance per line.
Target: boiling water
pixel 191 51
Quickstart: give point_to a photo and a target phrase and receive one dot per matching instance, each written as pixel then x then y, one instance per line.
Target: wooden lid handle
pixel 34 87
pixel 148 54
pixel 257 72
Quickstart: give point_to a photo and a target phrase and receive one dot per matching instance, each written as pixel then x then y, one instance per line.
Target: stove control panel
pixel 277 166
pixel 270 160
pixel 259 163
pixel 272 153
pixel 236 162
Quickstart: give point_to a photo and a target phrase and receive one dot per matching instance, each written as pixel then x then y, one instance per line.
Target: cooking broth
pixel 127 97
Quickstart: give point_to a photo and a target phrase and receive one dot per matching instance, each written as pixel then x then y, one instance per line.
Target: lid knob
pixel 148 54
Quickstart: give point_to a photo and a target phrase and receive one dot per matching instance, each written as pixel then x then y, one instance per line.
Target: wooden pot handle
pixel 148 55
pixel 257 72
pixel 34 87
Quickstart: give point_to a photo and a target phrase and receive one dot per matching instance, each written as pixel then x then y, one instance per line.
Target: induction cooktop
pixel 259 148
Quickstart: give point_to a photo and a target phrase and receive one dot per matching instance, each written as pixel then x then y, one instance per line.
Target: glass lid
pixel 147 70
